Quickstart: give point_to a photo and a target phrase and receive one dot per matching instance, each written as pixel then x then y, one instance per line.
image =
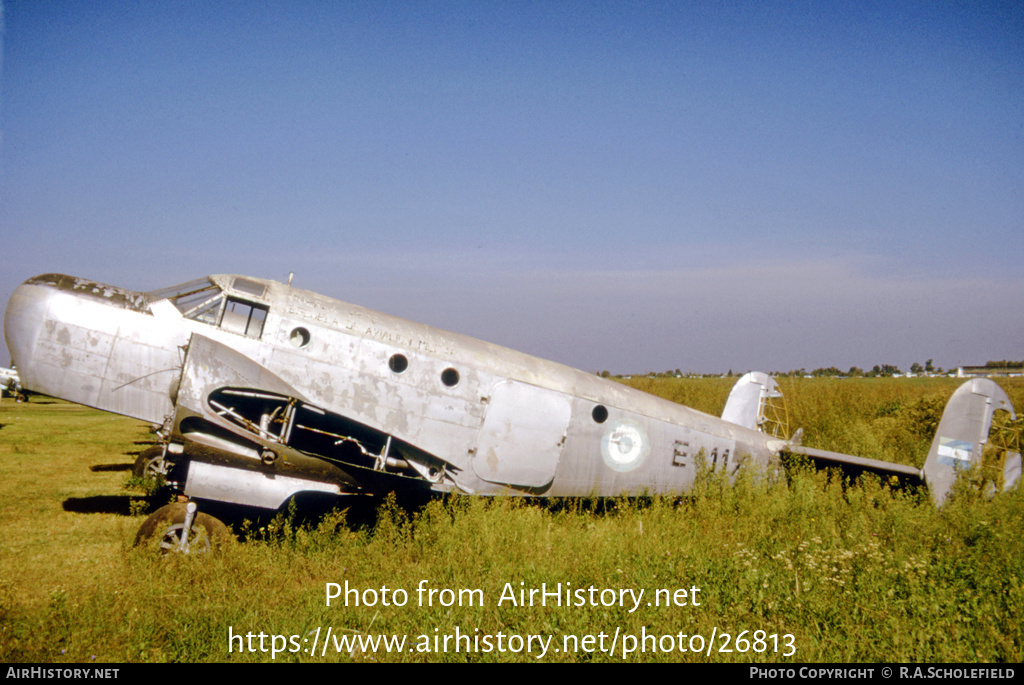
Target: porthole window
pixel 398 363
pixel 450 377
pixel 600 413
pixel 299 337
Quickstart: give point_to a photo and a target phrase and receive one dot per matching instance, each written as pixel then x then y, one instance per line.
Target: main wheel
pixel 149 464
pixel 164 530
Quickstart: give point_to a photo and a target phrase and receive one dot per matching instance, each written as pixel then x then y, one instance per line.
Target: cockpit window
pixel 204 311
pixel 181 290
pixel 199 300
pixel 244 285
pixel 244 317
pixel 203 301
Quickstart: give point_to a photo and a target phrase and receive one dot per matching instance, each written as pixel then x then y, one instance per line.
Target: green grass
pixel 852 572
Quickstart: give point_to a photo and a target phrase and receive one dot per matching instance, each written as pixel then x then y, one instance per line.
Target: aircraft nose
pixel 23 321
pixel 93 344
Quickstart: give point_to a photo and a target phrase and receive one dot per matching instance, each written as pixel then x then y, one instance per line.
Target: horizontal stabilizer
pixel 874 465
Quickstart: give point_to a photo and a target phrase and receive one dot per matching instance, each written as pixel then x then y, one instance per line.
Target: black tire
pixel 148 462
pixel 163 529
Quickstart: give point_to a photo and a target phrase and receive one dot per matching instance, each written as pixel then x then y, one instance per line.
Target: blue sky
pixel 628 186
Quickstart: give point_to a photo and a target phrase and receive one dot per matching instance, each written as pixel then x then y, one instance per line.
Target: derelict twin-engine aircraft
pixel 263 391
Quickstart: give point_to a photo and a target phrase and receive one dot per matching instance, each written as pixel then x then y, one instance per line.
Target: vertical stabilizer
pixel 755 402
pixel 962 436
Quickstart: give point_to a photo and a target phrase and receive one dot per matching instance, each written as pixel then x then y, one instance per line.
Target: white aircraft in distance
pixel 263 391
pixel 11 384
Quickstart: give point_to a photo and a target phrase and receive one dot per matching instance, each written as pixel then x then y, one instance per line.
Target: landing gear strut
pixel 180 529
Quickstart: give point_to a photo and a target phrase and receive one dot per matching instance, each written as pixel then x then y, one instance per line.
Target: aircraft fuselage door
pixel 522 435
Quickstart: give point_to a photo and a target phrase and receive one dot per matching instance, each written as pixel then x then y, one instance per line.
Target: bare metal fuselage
pixel 272 383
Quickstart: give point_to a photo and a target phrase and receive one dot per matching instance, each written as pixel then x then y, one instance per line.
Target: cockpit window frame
pixel 247 310
pixel 180 290
pixel 209 311
pixel 207 302
pixel 249 287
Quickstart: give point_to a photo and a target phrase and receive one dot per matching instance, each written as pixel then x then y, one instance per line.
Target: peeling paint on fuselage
pixel 119 297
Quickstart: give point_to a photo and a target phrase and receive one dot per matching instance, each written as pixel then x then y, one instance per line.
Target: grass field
pixel 798 568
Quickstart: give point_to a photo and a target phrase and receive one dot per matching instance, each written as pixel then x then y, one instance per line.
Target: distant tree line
pixel 877 371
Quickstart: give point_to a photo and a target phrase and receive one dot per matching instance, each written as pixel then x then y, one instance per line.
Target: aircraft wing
pixel 235 456
pixel 210 365
pixel 253 438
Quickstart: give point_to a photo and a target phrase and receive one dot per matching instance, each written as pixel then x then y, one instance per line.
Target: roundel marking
pixel 625 445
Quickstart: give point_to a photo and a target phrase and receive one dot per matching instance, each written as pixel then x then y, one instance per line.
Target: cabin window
pixel 299 337
pixel 450 377
pixel 244 318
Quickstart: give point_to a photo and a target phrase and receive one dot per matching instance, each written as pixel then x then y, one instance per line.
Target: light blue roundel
pixel 625 445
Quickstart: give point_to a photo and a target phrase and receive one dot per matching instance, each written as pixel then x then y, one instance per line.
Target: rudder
pixel 756 402
pixel 962 435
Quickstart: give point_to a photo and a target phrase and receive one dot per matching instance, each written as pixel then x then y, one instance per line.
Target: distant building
pixel 983 371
